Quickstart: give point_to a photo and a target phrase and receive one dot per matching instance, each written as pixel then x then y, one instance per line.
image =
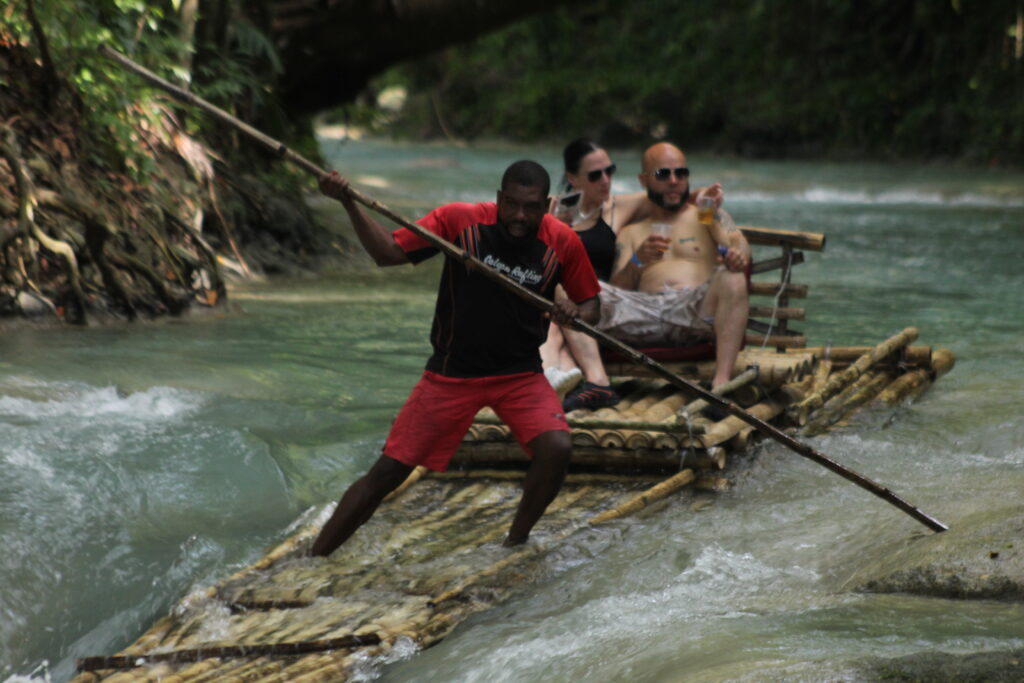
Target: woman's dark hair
pixel 572 157
pixel 574 152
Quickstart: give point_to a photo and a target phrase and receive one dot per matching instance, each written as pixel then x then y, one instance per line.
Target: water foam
pixel 826 195
pixel 717 584
pixel 829 195
pixel 40 674
pixel 71 400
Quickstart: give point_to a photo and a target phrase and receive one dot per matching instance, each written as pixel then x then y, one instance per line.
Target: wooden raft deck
pixel 431 555
pixel 427 560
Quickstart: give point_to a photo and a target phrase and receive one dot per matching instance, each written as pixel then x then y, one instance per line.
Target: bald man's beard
pixel 659 199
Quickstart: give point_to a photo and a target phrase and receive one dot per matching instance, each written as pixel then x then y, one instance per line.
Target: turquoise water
pixel 143 461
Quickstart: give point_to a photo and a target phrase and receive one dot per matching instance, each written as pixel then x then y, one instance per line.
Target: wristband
pixel 636 261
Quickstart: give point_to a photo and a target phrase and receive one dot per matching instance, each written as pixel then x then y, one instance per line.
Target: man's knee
pixel 734 283
pixel 386 474
pixel 730 289
pixel 552 448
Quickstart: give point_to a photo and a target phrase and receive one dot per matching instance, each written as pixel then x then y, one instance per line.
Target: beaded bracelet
pixel 636 261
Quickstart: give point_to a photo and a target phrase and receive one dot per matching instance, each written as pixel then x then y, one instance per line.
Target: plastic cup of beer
pixel 661 230
pixel 706 210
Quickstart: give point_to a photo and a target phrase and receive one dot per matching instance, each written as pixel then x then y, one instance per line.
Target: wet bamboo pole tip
pixel 413 477
pixel 943 361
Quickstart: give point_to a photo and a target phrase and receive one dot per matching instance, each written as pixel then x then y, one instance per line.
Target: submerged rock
pixel 32 306
pixel 940 667
pixel 979 557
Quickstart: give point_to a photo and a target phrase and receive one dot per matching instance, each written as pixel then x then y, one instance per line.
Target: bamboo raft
pixel 432 554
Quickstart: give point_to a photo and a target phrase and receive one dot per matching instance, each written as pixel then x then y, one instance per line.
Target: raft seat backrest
pixel 769 325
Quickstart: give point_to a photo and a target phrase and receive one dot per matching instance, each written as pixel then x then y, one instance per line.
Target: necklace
pixel 581 217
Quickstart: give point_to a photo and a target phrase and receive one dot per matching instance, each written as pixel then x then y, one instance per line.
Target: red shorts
pixel 440 410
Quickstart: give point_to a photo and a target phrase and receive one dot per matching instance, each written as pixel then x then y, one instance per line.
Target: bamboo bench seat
pixel 768 325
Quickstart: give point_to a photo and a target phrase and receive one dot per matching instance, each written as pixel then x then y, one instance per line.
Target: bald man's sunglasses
pixel 595 175
pixel 663 174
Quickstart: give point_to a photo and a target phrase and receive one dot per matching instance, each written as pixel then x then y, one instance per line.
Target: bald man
pixel 683 286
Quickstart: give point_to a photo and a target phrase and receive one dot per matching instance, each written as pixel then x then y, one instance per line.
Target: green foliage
pixel 234 64
pixel 923 77
pixel 236 69
pixel 74 31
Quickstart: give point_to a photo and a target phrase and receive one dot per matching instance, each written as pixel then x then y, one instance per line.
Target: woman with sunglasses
pixel 597 216
pixel 589 206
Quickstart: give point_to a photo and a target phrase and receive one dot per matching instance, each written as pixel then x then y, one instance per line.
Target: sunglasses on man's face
pixel 664 174
pixel 595 175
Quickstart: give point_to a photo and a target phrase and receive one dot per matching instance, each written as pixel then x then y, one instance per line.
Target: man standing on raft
pixel 484 339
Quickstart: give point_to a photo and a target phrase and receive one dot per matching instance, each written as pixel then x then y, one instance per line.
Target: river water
pixel 142 461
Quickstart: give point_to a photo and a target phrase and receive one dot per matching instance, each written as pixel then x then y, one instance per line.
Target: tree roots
pixel 66 255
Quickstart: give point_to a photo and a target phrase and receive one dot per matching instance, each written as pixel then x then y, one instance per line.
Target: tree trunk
pixel 187 30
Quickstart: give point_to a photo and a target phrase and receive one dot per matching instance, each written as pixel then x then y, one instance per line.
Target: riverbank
pixel 131 213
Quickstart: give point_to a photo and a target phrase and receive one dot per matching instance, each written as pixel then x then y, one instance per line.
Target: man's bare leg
pixel 728 302
pixel 587 353
pixel 359 502
pixel 551 453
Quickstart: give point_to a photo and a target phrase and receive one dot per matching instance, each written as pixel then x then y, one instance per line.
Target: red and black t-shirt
pixel 481 329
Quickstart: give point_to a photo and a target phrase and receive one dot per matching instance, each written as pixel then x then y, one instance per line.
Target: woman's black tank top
pixel 599 241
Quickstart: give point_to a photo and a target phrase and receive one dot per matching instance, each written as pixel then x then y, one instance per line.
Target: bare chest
pixel 691 244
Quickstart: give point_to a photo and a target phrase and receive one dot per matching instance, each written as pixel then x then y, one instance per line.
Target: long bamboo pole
pixel 740 380
pixel 639 502
pixel 454 252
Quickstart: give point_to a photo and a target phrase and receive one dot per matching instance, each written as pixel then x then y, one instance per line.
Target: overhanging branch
pixel 330 54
